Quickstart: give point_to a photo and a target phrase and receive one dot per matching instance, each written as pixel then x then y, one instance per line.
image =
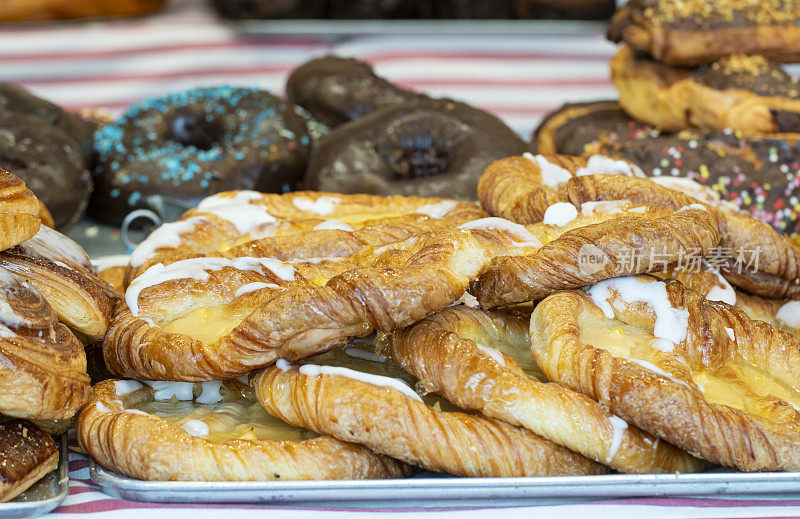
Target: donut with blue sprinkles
pixel 177 149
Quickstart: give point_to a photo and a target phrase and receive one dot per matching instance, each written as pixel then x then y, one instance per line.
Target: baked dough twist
pixel 480 361
pixel 744 93
pixel 348 405
pixel 44 365
pixel 19 211
pixel 698 373
pixel 757 258
pixel 122 437
pixel 27 454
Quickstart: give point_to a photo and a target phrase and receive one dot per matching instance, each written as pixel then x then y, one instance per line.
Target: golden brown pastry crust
pixel 27 454
pixel 376 220
pixel 673 99
pixel 512 188
pixel 150 448
pixel 394 424
pixel 19 211
pixel 447 352
pixel 679 34
pixel 43 10
pixel 670 404
pixel 45 366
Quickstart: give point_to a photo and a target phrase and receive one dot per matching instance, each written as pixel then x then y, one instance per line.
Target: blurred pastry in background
pixel 428 148
pixel 336 90
pixel 269 9
pixel 745 93
pixel 45 10
pixel 692 32
pixel 179 148
pixel 571 9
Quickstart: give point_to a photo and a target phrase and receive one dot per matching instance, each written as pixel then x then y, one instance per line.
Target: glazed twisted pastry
pixel 397 424
pixel 518 188
pixel 480 361
pixel 28 454
pixel 46 365
pixel 122 437
pixel 698 373
pixel 19 211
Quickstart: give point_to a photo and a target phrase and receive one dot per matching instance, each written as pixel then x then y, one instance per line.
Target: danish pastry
pixel 697 373
pixel 215 431
pixel 27 454
pixel 746 93
pixel 481 361
pixel 19 211
pixel 61 272
pixel 295 225
pixel 366 406
pixel 44 374
pixel 692 32
pixel 757 258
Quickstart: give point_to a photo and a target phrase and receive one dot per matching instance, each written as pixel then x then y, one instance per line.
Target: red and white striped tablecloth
pixel 519 77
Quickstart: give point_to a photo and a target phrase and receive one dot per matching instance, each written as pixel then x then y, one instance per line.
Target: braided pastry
pixel 214 431
pixel 27 453
pixel 758 259
pixel 61 272
pixel 19 211
pixel 384 414
pixel 44 374
pixel 241 220
pixel 481 361
pixel 698 373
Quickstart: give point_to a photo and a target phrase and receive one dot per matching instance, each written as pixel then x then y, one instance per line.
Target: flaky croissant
pixel 19 211
pixel 698 373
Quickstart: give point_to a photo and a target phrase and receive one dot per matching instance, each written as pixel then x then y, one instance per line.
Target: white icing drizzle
pixel 671 323
pixel 789 314
pixel 560 214
pixel 730 333
pixel 101 407
pixel 437 210
pixel 661 344
pixel 724 293
pixel 322 205
pixel 197 268
pixel 689 187
pixel 501 224
pixel 6 332
pixel 245 217
pixel 618 426
pixel 136 411
pixel 658 371
pixel 125 387
pixel 224 199
pixel 313 370
pixel 210 392
pixel 168 235
pixel 493 353
pixel 602 165
pixel 252 287
pixel 699 207
pixel 466 299
pixel 183 391
pixel 113 260
pixel 196 428
pixel 553 175
pixel 51 244
pixel 606 207
pixel 333 225
pixel 358 353
pixel 283 365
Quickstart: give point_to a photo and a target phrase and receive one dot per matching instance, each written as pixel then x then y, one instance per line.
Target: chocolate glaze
pixel 23 448
pixel 788 122
pixel 336 90
pixel 425 148
pixel 49 162
pixel 764 79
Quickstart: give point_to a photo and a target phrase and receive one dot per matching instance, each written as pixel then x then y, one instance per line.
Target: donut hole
pixel 193 128
pixel 417 151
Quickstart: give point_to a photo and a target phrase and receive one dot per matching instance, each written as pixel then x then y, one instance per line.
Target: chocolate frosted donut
pixel 336 90
pixel 16 99
pixel 182 147
pixel 50 163
pixel 425 148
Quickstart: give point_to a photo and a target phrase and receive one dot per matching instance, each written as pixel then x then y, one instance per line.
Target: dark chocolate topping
pixel 753 73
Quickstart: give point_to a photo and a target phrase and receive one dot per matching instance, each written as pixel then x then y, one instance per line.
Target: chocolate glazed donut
pixel 336 90
pixel 426 148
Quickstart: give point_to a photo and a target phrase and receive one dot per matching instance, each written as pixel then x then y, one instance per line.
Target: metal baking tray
pixel 428 489
pixel 46 494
